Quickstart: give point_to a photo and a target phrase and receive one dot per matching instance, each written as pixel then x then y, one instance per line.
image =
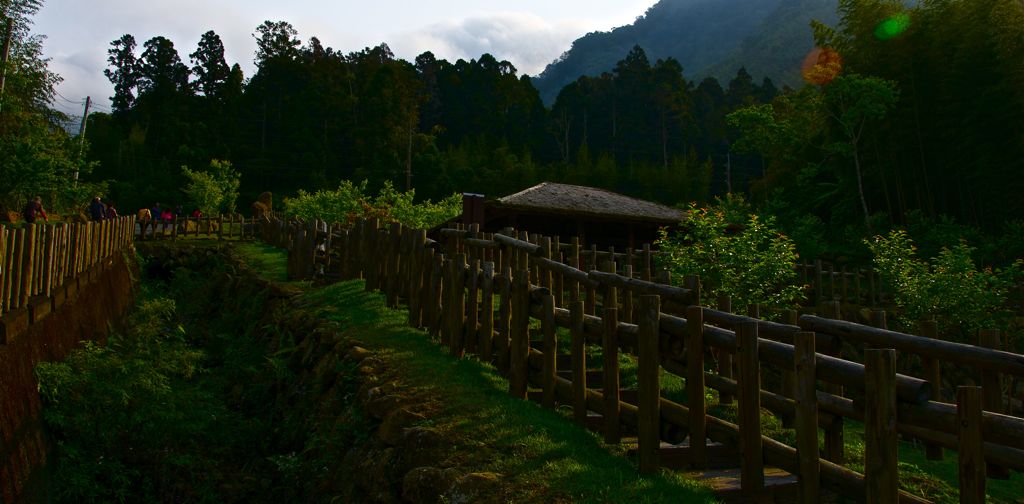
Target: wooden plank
pixel 4 269
pixel 457 308
pixel 695 386
pixel 473 307
pixel 49 258
pixel 748 416
pixel 649 384
pixel 579 362
pixel 610 357
pixel 932 373
pixel 880 437
pixel 550 368
pixel 504 337
pixel 945 351
pixel 806 418
pixel 971 457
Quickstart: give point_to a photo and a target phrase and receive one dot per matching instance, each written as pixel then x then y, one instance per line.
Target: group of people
pixel 99 211
pixel 162 214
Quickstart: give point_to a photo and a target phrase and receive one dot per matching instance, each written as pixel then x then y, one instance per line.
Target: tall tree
pixel 123 72
pixel 209 67
pixel 161 71
pixel 274 40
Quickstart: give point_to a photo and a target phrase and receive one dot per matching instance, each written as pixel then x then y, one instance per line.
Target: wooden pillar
pixel 881 475
pixel 724 357
pixel 28 262
pixel 627 296
pixel 579 362
pixel 486 331
pixel 649 383
pixel 610 354
pixel 971 445
pixel 504 337
pixel 806 418
pixel 520 335
pixel 748 384
pixel 695 386
pixel 992 391
pixel 550 367
pixel 473 307
pixel 932 373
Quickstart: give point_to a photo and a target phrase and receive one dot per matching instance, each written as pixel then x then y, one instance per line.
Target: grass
pixel 541 455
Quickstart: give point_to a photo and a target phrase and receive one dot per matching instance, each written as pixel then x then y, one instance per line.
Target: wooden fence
pixel 37 259
pixel 486 294
pixel 221 227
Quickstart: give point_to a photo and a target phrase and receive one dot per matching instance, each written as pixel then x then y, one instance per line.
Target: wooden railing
pixel 221 227
pixel 478 292
pixel 37 259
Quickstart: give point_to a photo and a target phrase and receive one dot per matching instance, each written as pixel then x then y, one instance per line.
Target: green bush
pixel 214 190
pixel 129 421
pixel 755 265
pixel 949 288
pixel 351 201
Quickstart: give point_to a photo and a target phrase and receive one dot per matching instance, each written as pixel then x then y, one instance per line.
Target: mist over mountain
pixel 708 37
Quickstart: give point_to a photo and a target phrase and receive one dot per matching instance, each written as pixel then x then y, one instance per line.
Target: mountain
pixel 708 37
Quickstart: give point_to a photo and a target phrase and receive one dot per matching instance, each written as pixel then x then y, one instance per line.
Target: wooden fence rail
pixel 37 259
pixel 478 292
pixel 219 227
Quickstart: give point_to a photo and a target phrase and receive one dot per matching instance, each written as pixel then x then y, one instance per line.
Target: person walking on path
pixel 111 211
pixel 34 210
pixel 96 209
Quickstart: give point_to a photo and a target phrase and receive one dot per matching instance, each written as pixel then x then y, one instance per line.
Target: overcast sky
pixel 528 33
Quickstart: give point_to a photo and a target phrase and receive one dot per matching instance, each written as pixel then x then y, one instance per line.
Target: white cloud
pixel 526 40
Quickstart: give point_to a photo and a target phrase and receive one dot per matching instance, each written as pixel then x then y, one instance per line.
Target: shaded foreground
pixel 288 392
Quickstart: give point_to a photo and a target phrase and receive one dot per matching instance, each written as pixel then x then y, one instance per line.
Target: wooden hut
pixel 595 215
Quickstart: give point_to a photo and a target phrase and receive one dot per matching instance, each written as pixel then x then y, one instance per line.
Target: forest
pixel 909 117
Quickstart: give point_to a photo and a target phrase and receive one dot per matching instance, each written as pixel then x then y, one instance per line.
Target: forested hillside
pixel 910 116
pixel 710 38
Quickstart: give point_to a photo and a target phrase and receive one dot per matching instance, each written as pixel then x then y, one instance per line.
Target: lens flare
pixel 892 26
pixel 822 65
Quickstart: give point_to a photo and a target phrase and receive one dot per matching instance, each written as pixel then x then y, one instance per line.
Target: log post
pixel 520 344
pixel 695 386
pixel 574 261
pixel 835 434
pixel 992 392
pixel 724 358
pixel 806 418
pixel 550 368
pixel 971 445
pixel 880 438
pixel 559 278
pixel 28 263
pixel 610 355
pixel 649 384
pixel 457 305
pixel 436 296
pixel 591 305
pixel 579 362
pixel 473 308
pixel 627 296
pixel 503 342
pixel 932 373
pixel 748 416
pixel 486 334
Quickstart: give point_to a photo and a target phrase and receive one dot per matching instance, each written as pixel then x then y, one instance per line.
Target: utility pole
pixel 81 132
pixel 5 56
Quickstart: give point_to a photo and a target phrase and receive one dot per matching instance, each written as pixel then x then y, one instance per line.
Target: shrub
pixel 214 190
pixel 351 201
pixel 756 265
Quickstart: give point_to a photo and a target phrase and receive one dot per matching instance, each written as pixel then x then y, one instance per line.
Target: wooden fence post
pixel 579 362
pixel 28 263
pixel 724 357
pixel 835 434
pixel 992 392
pixel 486 335
pixel 971 445
pixel 649 384
pixel 574 261
pixel 818 297
pixel 932 373
pixel 748 416
pixel 881 475
pixel 695 386
pixel 457 309
pixel 550 367
pixel 4 270
pixel 472 316
pixel 436 294
pixel 627 296
pixel 610 356
pixel 806 418
pixel 591 302
pixel 520 335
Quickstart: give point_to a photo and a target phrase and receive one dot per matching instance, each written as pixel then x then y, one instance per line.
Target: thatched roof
pixel 549 197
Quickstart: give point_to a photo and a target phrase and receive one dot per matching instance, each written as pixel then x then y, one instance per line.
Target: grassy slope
pixel 542 455
pixel 552 451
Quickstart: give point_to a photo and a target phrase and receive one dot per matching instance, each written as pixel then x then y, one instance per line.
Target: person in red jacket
pixel 34 210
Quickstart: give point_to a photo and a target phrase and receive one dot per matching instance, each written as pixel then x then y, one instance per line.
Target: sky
pixel 528 33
